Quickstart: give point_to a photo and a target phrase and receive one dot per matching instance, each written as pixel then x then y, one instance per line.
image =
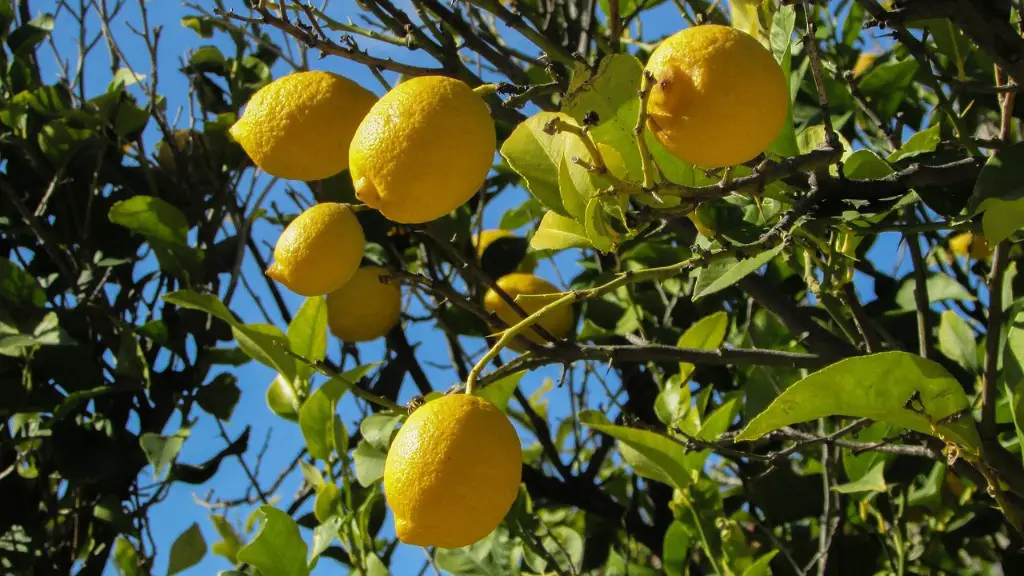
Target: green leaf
pixel 535 155
pixel 940 287
pixel 281 399
pixel 127 558
pixel 59 141
pixel 369 463
pixel 230 543
pixel 19 287
pixel 326 504
pixel 500 391
pixel 708 333
pixel 316 419
pixel 521 215
pixel 873 481
pixel 677 548
pixel 956 341
pixel 886 85
pixel 673 401
pixel 123 78
pixel 761 566
pixel 160 450
pixel 187 551
pixel 154 218
pixel 865 165
pixel 894 387
pixel 307 333
pixel 208 303
pixel 220 396
pixel 323 536
pixel 1001 219
pixel 1013 371
pixel 921 143
pixel 266 344
pixel 278 549
pixel 25 38
pixel 1002 178
pixel 377 429
pixel 780 38
pixel 662 452
pixel 556 232
pixel 611 93
pixel 725 272
pixel 201 26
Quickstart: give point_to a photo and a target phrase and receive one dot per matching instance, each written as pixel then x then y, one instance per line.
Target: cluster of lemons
pixel 417 153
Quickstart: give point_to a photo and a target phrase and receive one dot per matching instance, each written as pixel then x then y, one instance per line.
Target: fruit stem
pixel 486 89
pixel 646 161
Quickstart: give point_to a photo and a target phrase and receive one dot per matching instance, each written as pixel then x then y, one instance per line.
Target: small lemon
pixel 969 244
pixel 299 126
pixel 319 251
pixel 487 237
pixel 423 149
pixel 559 322
pixel 366 307
pixel 452 472
pixel 719 97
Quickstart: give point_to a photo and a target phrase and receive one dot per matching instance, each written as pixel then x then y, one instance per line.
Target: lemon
pixel 319 251
pixel 719 98
pixel 422 150
pixel 299 126
pixel 969 244
pixel 452 472
pixel 366 307
pixel 559 322
pixel 487 237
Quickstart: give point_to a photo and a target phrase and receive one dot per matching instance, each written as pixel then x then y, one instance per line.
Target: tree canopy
pixel 807 363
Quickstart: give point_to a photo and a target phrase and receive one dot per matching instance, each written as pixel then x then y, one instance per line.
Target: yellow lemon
pixel 319 251
pixel 487 237
pixel 452 472
pixel 559 322
pixel 719 98
pixel 299 126
pixel 422 150
pixel 969 244
pixel 366 307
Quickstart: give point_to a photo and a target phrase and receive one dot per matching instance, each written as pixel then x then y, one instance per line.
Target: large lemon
pixel 559 322
pixel 299 126
pixel 422 150
pixel 319 251
pixel 452 472
pixel 366 307
pixel 719 98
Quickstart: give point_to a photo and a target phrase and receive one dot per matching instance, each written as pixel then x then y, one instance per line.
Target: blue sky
pixel 180 510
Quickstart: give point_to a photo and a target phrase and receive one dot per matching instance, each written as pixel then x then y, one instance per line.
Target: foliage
pixel 750 390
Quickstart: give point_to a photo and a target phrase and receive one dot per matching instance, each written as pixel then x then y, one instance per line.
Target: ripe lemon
pixel 319 251
pixel 559 322
pixel 366 307
pixel 422 150
pixel 969 244
pixel 452 472
pixel 487 237
pixel 719 98
pixel 299 126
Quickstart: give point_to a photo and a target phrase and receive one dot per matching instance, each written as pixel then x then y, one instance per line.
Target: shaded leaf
pixel 873 481
pixel 956 341
pixel 664 453
pixel 187 551
pixel 725 272
pixel 369 463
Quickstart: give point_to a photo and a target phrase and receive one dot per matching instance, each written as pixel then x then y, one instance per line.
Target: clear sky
pixel 180 509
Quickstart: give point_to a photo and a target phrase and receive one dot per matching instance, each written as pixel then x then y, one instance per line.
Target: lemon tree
pixel 511 288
